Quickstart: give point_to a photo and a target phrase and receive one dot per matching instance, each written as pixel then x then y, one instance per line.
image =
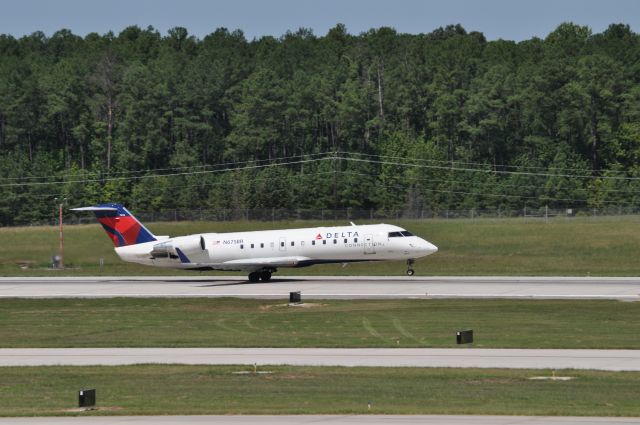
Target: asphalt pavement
pixel 611 360
pixel 326 287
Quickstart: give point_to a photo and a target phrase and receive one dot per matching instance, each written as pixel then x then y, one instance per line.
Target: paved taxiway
pixel 326 287
pixel 321 419
pixel 611 360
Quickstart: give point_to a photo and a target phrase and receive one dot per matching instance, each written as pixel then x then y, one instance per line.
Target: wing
pixel 253 264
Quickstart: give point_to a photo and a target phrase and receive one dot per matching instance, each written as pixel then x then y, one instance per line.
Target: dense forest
pixel 379 121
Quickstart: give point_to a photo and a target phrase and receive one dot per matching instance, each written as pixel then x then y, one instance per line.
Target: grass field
pixel 580 246
pixel 577 246
pixel 128 322
pixel 172 390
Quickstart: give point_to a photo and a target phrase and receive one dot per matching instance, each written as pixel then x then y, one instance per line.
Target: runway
pixel 323 419
pixel 626 289
pixel 313 287
pixel 610 360
pixel 327 287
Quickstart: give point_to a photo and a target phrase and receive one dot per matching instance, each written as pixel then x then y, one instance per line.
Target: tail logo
pixel 122 228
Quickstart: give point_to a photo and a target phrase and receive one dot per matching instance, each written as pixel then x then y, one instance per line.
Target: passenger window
pixel 324 242
pixel 251 246
pixel 261 245
pixel 241 246
pixel 335 241
pixel 313 242
pixel 355 240
pixel 292 243
pixel 281 243
pixel 345 240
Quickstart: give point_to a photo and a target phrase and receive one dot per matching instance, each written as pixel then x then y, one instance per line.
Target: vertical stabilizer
pixel 121 226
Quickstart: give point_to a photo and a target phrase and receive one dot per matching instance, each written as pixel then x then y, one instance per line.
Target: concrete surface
pixel 612 360
pixel 314 287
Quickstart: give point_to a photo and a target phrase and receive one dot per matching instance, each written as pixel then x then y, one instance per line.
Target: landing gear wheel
pixel 265 276
pixel 410 271
pixel 254 277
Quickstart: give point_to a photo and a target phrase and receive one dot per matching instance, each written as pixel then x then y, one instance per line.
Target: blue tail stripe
pixel 114 232
pixel 144 235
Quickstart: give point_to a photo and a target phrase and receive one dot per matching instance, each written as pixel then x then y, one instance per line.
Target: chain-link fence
pixel 349 214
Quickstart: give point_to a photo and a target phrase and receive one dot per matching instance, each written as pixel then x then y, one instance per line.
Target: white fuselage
pixel 272 249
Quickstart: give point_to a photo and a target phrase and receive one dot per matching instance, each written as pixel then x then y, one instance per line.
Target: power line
pixel 148 176
pixel 500 184
pixel 320 157
pixel 348 156
pixel 155 170
pixel 481 164
pixel 476 170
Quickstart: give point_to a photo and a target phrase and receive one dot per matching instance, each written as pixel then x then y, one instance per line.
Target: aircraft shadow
pixel 246 282
pixel 215 282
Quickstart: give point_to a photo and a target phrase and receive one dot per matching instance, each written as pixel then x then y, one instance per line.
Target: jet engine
pixel 193 244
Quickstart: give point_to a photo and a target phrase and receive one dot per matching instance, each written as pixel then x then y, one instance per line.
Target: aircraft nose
pixel 428 248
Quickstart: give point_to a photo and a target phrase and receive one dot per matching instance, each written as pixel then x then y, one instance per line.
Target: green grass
pixel 173 390
pixel 577 246
pixel 131 322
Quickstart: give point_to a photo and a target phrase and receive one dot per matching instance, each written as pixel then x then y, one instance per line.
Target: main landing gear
pixel 264 275
pixel 410 271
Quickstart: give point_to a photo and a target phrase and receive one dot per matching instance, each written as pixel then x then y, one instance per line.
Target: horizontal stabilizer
pixel 94 209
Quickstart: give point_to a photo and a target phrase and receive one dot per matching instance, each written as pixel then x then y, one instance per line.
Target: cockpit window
pixel 400 234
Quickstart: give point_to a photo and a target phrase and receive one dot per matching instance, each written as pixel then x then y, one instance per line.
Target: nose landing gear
pixel 410 271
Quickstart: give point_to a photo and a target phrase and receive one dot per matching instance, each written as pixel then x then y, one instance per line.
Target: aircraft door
pixel 369 247
pixel 283 244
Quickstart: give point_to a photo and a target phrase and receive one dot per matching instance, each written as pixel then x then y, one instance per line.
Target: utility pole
pixel 336 163
pixel 61 241
pixel 61 238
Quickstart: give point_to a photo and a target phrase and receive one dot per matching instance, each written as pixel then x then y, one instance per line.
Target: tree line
pixel 380 120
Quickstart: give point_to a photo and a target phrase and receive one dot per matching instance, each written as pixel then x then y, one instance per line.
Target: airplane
pixel 260 253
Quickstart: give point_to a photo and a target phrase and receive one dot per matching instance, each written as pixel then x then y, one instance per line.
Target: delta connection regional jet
pixel 260 253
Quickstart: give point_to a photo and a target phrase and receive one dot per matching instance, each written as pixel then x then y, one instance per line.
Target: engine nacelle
pixel 193 244
pixel 189 244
